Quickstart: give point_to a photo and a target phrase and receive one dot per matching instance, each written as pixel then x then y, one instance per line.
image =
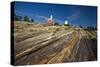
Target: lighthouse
pixel 51 16
pixel 50 21
pixel 66 22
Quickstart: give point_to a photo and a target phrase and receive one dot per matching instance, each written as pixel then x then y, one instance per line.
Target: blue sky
pixel 74 14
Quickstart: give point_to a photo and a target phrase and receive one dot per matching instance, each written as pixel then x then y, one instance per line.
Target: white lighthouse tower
pixel 66 22
pixel 51 16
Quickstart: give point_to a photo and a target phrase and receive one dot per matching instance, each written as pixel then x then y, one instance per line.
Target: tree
pixel 26 19
pixel 56 23
pixel 17 18
pixel 91 28
pixel 32 20
pixel 66 25
pixel 80 26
